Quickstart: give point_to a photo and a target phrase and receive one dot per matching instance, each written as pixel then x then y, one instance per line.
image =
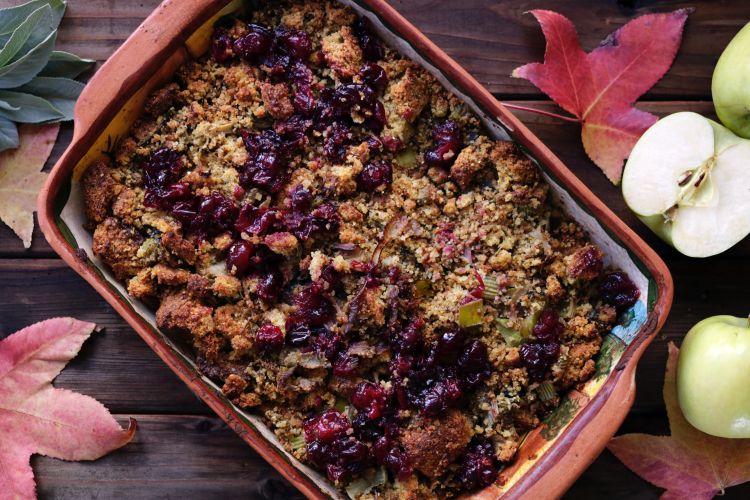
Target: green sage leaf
pixel 33 109
pixel 60 92
pixel 12 17
pixel 65 65
pixel 21 35
pixel 8 134
pixel 5 105
pixel 27 66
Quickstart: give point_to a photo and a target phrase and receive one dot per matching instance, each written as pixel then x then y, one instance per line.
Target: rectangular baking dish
pixel 552 456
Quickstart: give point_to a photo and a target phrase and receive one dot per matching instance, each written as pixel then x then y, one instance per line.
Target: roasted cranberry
pixel 300 199
pixel 265 166
pixel 337 138
pixel 377 119
pixel 397 461
pixel 402 364
pixel 254 220
pixel 548 327
pixel 328 343
pixel 474 364
pixel 255 44
pixel 238 257
pixel 479 467
pixel 442 395
pixel 221 45
pixel 537 357
pixel 297 43
pixel 325 427
pixel 313 308
pixel 323 218
pixel 408 338
pixel 345 365
pixel 447 144
pixel 160 175
pixel 618 290
pixel 376 174
pixel 372 49
pixel 269 337
pixel 449 345
pixel 269 284
pixel 369 398
pixel 373 75
pixel 304 99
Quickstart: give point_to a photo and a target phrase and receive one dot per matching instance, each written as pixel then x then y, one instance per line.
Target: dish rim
pixel 156 39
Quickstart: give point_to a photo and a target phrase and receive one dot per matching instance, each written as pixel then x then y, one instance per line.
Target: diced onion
pixel 470 314
pixel 546 392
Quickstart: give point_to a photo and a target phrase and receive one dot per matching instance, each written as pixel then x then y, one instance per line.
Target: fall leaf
pixel 21 179
pixel 689 464
pixel 600 88
pixel 36 417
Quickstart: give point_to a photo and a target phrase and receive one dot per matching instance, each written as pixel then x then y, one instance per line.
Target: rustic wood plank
pixel 170 457
pixel 487 37
pixel 115 366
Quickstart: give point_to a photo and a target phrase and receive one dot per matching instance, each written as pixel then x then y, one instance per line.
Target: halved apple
pixel 688 179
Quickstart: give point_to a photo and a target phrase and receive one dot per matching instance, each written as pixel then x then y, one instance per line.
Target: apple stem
pixel 541 112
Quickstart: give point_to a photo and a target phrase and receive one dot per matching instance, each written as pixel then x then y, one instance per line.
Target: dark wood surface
pixel 181 449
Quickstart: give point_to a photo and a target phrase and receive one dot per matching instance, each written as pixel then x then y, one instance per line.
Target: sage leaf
pixel 60 92
pixel 21 35
pixel 66 65
pixel 29 65
pixel 33 109
pixel 12 17
pixel 45 26
pixel 8 134
pixel 5 105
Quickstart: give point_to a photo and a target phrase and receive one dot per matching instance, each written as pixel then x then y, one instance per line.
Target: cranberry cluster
pixel 618 290
pixel 447 144
pixel 372 49
pixel 479 466
pixel 539 355
pixel 441 374
pixel 330 447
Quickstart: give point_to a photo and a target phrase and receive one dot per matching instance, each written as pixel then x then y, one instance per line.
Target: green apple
pixel 712 376
pixel 688 179
pixel 730 86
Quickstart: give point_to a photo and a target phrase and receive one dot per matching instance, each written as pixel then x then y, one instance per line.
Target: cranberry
pixel 265 167
pixel 537 357
pixel 372 49
pixel 447 143
pixel 369 398
pixel 253 220
pixel 221 45
pixel 373 75
pixel 376 174
pixel 255 44
pixel 325 427
pixel 397 461
pixel 300 199
pixel 474 364
pixel 345 365
pixel 304 99
pixel 479 467
pixel 314 308
pixel 378 119
pixel 337 138
pixel 269 285
pixel 160 175
pixel 442 395
pixel 323 218
pixel 618 290
pixel 408 339
pixel 402 364
pixel 297 334
pixel 548 327
pixel 329 344
pixel 449 345
pixel 238 258
pixel 269 337
pixel 297 43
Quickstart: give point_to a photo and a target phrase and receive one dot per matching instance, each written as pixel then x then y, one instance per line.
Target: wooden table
pixel 181 449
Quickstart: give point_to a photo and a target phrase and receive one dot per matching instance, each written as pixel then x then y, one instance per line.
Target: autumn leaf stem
pixel 541 112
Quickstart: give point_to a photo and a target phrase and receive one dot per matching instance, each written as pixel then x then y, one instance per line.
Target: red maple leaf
pixel 35 417
pixel 600 88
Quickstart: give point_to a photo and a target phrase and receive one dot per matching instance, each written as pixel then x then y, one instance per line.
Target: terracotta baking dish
pixel 551 457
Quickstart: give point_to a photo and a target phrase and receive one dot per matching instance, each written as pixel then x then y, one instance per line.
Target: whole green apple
pixel 713 376
pixel 730 86
pixel 688 179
